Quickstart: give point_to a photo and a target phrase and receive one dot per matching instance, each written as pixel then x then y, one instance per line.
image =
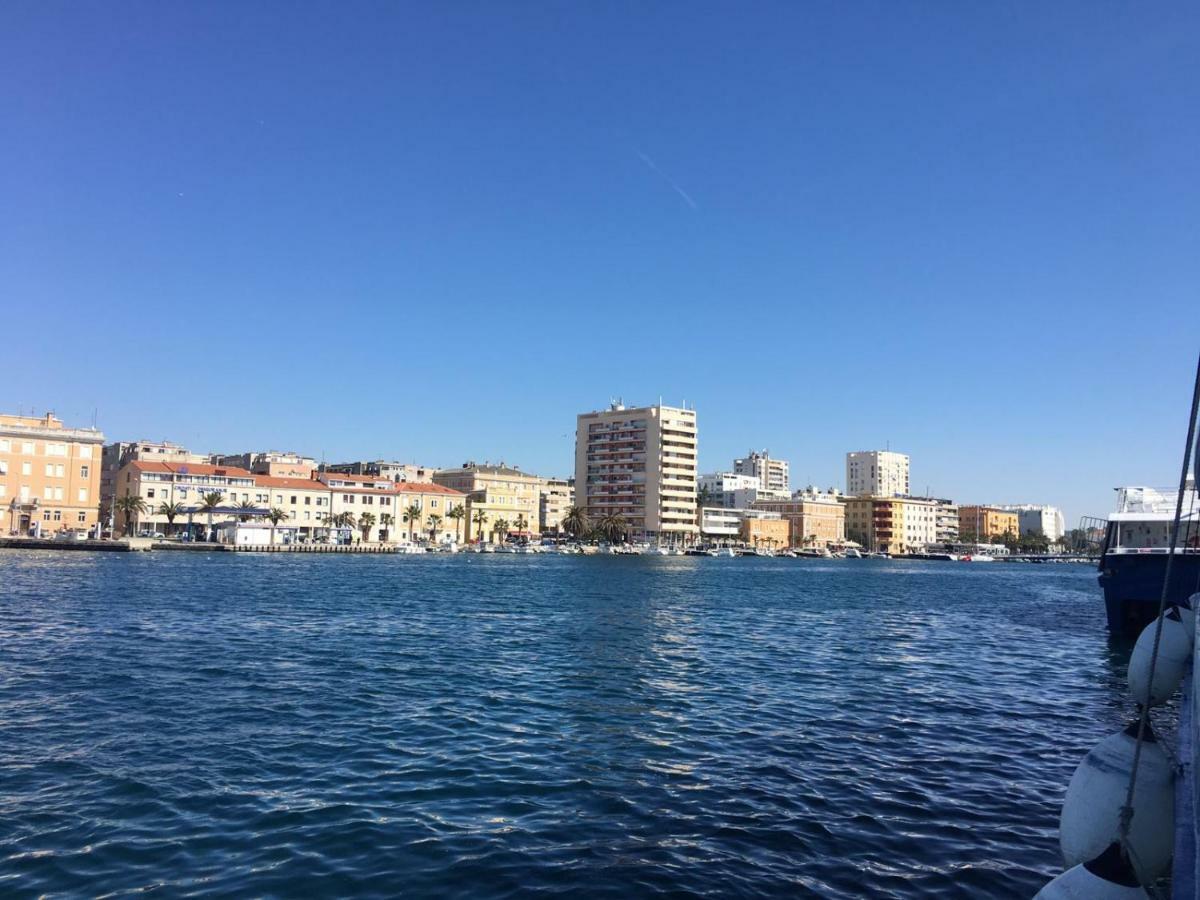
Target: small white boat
pixel 725 552
pixel 852 553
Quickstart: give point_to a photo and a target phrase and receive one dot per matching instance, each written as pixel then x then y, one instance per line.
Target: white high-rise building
pixel 639 464
pixel 772 474
pixel 723 487
pixel 877 473
pixel 1033 518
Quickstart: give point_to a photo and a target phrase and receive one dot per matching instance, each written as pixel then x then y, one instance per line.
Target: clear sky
pixel 438 231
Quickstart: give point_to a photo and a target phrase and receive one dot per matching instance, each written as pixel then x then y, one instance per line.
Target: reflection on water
pixel 483 726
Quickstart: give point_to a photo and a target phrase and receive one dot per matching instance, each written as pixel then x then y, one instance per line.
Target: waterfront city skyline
pixel 440 235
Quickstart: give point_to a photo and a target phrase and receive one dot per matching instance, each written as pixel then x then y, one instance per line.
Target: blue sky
pixel 438 231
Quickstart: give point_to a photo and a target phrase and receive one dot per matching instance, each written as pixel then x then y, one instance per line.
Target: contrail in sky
pixel 667 178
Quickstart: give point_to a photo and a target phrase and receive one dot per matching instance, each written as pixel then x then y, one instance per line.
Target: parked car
pixel 72 534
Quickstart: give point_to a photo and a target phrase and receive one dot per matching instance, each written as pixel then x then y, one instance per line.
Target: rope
pixel 1127 809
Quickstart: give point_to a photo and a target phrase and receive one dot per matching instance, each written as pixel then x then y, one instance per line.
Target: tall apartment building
pixel 877 473
pixel 894 525
pixel 640 464
pixel 557 496
pixel 772 474
pixel 500 493
pixel 985 523
pixel 49 475
pixel 1032 519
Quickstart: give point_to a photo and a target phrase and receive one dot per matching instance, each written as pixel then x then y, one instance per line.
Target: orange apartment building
pixel 49 475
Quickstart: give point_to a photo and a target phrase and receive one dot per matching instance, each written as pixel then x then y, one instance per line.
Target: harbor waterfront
pixel 488 725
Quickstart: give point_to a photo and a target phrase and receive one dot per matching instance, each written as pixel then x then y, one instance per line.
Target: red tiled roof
pixel 145 465
pixel 338 476
pixel 410 487
pixel 294 484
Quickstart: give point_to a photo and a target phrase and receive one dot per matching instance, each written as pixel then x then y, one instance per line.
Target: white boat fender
pixel 1107 877
pixel 1187 612
pixel 1174 651
pixel 1091 811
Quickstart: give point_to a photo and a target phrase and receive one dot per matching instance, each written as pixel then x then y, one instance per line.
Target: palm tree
pixel 276 515
pixel 576 521
pixel 457 513
pixel 130 506
pixel 365 521
pixel 434 522
pixel 209 503
pixel 612 526
pixel 246 511
pixel 170 510
pixel 479 517
pixel 501 526
pixel 412 516
pixel 385 525
pixel 522 523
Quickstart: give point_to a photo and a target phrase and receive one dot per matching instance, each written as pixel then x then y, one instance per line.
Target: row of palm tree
pixel 611 527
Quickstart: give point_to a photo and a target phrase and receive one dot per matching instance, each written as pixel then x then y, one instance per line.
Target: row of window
pixel 49 493
pixel 28 448
pixel 55 515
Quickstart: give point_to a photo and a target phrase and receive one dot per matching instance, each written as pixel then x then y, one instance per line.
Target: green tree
pixel 613 527
pixel 434 522
pixel 170 510
pixel 479 517
pixel 365 521
pixel 500 527
pixel 412 515
pixel 385 522
pixel 209 503
pixel 457 513
pixel 276 515
pixel 130 507
pixel 246 511
pixel 575 521
pixel 522 523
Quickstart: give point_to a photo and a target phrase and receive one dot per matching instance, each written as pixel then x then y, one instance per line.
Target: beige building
pixel 49 475
pixel 815 518
pixel 181 487
pixel 393 471
pixel 117 454
pixel 986 523
pixel 893 525
pixel 639 464
pixel 877 473
pixel 271 462
pixel 498 494
pixel 768 534
pixel 557 496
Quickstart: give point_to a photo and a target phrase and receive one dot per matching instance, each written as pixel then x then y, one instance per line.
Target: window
pixel 56 449
pixel 48 493
pixel 83 495
pixel 58 494
pixel 24 493
pixel 3 467
pixel 26 468
pixel 5 445
pixel 83 471
pixel 82 518
pixel 49 470
pixel 58 515
pixel 85 452
pixel 433 503
pixel 46 516
pixel 27 448
pixel 3 490
pixel 150 493
pixel 307 515
pixel 307 501
pixel 293 499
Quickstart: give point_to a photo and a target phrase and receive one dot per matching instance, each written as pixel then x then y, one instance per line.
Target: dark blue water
pixel 488 726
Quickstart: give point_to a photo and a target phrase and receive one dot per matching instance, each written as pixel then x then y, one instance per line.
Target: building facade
pixel 764 533
pixel 1035 519
pixel 721 488
pixel 815 518
pixel 985 523
pixel 892 525
pixel 640 464
pixel 270 462
pixel 49 475
pixel 117 454
pixel 720 524
pixel 772 474
pixel 500 499
pixel 877 473
pixel 393 471
pixel 557 496
pixel 172 496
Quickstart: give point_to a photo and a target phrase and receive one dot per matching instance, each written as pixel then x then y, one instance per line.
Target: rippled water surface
pixel 495 726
